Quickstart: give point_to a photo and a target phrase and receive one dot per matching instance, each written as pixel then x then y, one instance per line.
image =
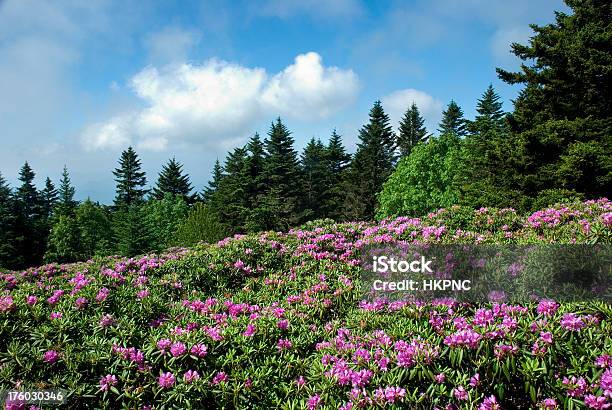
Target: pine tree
pixel 213 184
pixel 280 206
pixel 172 180
pixel 230 199
pixel 453 121
pixel 316 180
pixel 7 220
pixel 66 203
pixel 29 227
pixel 49 197
pixel 411 130
pixel 130 179
pixel 371 166
pixel 338 161
pixel 562 119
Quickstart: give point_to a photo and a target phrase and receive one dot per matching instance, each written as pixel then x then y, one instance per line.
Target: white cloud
pixel 306 89
pixel 219 101
pixel 399 101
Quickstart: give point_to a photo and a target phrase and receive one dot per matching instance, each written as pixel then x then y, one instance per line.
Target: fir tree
pixel 49 197
pixel 172 180
pixel 453 121
pixel 256 189
pixel 562 119
pixel 66 203
pixel 213 184
pixel 371 166
pixel 29 227
pixel 411 130
pixel 338 161
pixel 316 180
pixel 282 177
pixel 130 179
pixel 7 220
pixel 230 200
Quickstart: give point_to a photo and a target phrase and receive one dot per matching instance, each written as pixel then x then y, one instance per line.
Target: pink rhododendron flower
pixel 200 350
pixel 191 376
pixel 106 382
pixel 51 356
pixel 220 377
pixel 166 380
pixel 178 349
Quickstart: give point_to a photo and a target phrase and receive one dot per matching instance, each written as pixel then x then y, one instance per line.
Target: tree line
pixel 554 146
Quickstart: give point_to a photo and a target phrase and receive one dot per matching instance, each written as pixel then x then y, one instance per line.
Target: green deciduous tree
pixel 163 217
pixel 423 181
pixel 95 228
pixel 202 224
pixel 64 241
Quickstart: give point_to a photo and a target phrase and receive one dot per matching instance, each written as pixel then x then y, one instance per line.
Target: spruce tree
pixel 411 130
pixel 338 161
pixel 453 121
pixel 7 220
pixel 49 197
pixel 256 189
pixel 130 179
pixel 172 180
pixel 230 199
pixel 316 180
pixel 562 120
pixel 371 166
pixel 29 227
pixel 66 203
pixel 280 207
pixel 213 184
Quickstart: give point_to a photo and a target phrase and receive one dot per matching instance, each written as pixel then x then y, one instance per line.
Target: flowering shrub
pixel 276 319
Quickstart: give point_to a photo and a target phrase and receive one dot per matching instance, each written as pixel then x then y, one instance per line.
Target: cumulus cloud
pixel 397 102
pixel 219 101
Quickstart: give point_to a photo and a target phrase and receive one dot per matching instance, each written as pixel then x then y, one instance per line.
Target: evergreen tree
pixel 214 182
pixel 66 203
pixel 411 130
pixel 29 227
pixel 131 230
pixel 49 197
pixel 371 166
pixel 130 179
pixel 7 220
pixel 338 161
pixel 280 206
pixel 230 200
pixel 562 124
pixel 316 180
pixel 256 189
pixel 453 121
pixel 172 180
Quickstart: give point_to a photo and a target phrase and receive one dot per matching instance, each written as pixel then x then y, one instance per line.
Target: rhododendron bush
pixel 277 320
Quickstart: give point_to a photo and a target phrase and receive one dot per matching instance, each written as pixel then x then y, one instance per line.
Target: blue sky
pixel 80 81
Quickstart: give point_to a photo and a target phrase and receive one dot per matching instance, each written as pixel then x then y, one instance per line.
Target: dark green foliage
pixel 95 228
pixel 131 230
pixel 423 181
pixel 256 186
pixel 202 224
pixel 338 161
pixel 371 166
pixel 7 221
pixel 49 197
pixel 130 180
pixel 230 201
pixel 171 180
pixel 66 203
pixel 29 224
pixel 452 121
pixel 316 180
pixel 411 130
pixel 214 182
pixel 282 178
pixel 561 123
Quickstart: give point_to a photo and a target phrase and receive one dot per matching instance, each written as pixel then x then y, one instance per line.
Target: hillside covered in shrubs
pixel 277 320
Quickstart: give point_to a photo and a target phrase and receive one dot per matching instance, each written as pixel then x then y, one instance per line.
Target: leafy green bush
pixel 201 225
